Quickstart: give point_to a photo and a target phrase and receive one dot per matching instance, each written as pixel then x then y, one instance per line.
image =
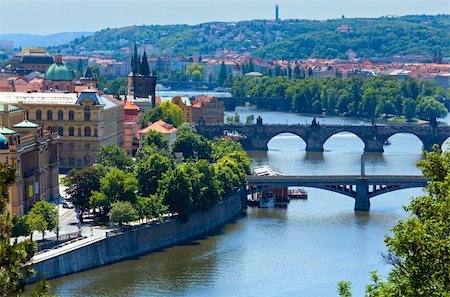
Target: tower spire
pixel 145 69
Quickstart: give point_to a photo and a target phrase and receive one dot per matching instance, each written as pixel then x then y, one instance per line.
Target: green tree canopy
pixel 111 155
pixel 80 185
pixel 48 211
pixel 167 111
pixel 149 172
pixel 193 146
pixel 123 212
pixel 118 185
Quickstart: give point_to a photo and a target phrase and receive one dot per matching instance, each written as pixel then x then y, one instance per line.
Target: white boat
pixel 222 89
pixel 160 87
pixel 267 200
pixel 265 171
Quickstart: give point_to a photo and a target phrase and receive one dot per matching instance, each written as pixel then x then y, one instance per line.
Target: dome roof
pixel 3 139
pixel 58 72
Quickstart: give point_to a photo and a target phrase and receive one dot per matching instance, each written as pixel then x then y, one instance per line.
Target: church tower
pixel 141 81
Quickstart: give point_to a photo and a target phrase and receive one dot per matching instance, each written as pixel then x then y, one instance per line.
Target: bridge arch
pixel 296 141
pixel 348 138
pixel 412 140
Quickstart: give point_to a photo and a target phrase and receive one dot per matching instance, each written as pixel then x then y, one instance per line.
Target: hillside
pixel 289 39
pixel 30 40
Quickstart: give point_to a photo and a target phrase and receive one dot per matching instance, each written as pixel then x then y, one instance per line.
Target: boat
pixel 160 87
pixel 267 200
pixel 265 171
pixel 222 89
pixel 299 193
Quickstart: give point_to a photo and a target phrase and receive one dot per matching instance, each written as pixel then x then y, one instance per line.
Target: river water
pixel 303 250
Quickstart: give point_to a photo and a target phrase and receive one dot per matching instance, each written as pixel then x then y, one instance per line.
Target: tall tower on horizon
pixel 276 13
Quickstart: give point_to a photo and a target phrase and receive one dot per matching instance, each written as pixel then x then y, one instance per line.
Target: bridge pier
pixel 362 202
pixel 373 146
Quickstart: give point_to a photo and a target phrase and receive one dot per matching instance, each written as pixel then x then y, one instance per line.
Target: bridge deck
pixel 339 179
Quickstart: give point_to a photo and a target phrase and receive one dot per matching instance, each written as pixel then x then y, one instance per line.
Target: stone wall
pixel 136 242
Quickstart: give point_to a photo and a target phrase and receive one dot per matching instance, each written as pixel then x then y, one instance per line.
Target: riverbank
pixel 119 246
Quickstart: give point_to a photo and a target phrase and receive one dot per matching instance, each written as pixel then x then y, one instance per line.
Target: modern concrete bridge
pixel 315 135
pixel 360 187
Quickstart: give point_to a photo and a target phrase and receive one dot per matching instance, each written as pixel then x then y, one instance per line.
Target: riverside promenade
pixel 104 246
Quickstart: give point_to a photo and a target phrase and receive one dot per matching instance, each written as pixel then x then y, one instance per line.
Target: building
pixel 191 114
pixel 212 111
pixel 84 122
pixel 141 82
pixel 168 130
pixel 58 77
pixel 132 123
pixel 31 59
pixel 34 152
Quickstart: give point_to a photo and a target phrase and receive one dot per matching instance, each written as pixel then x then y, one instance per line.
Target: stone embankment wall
pixel 138 241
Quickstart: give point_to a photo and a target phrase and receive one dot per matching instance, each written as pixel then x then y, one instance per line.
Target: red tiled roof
pixel 159 126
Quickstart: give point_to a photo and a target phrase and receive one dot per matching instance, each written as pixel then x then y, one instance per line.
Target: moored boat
pixel 267 200
pixel 299 193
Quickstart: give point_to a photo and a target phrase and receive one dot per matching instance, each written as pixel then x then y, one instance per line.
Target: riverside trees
pixel 154 184
pixel 354 96
pixel 419 247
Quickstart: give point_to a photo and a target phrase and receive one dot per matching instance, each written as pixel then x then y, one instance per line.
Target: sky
pixel 53 16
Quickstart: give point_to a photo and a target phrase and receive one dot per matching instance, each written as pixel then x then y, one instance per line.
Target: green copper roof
pixel 58 72
pixel 4 130
pixel 3 139
pixel 26 124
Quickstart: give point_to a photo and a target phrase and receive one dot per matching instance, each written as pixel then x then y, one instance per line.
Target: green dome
pixel 3 139
pixel 58 72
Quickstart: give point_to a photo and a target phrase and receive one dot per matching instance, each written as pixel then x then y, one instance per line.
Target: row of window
pixel 87 131
pixel 87 114
pixel 71 161
pixel 71 146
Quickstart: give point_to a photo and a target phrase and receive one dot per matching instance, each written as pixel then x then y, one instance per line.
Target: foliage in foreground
pixel 419 249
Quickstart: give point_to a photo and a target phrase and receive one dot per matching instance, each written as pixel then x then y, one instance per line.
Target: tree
pixel 224 146
pixel 195 71
pixel 175 191
pixel 429 108
pixel 150 207
pixel 157 139
pixel 222 74
pixel 80 185
pixel 13 257
pixel 37 222
pixel 123 212
pixel 111 155
pixel 409 108
pixel 250 119
pixel 167 111
pixel 20 226
pixel 118 185
pixel 193 146
pixel 149 172
pixel 419 247
pixel 48 211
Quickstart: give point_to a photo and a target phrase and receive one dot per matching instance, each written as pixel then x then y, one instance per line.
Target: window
pixel 71 115
pixel 87 160
pixel 38 114
pixel 71 146
pixel 79 132
pixel 87 147
pixel 60 131
pixel 95 132
pixel 61 160
pixel 87 113
pixel 79 162
pixel 87 131
pixel 60 115
pixel 49 115
pixel 71 131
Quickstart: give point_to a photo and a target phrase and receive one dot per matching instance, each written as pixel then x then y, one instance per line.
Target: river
pixel 303 250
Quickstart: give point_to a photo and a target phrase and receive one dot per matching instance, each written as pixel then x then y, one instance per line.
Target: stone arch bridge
pixel 258 136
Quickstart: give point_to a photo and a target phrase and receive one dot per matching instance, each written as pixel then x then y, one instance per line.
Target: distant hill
pixel 288 39
pixel 30 40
